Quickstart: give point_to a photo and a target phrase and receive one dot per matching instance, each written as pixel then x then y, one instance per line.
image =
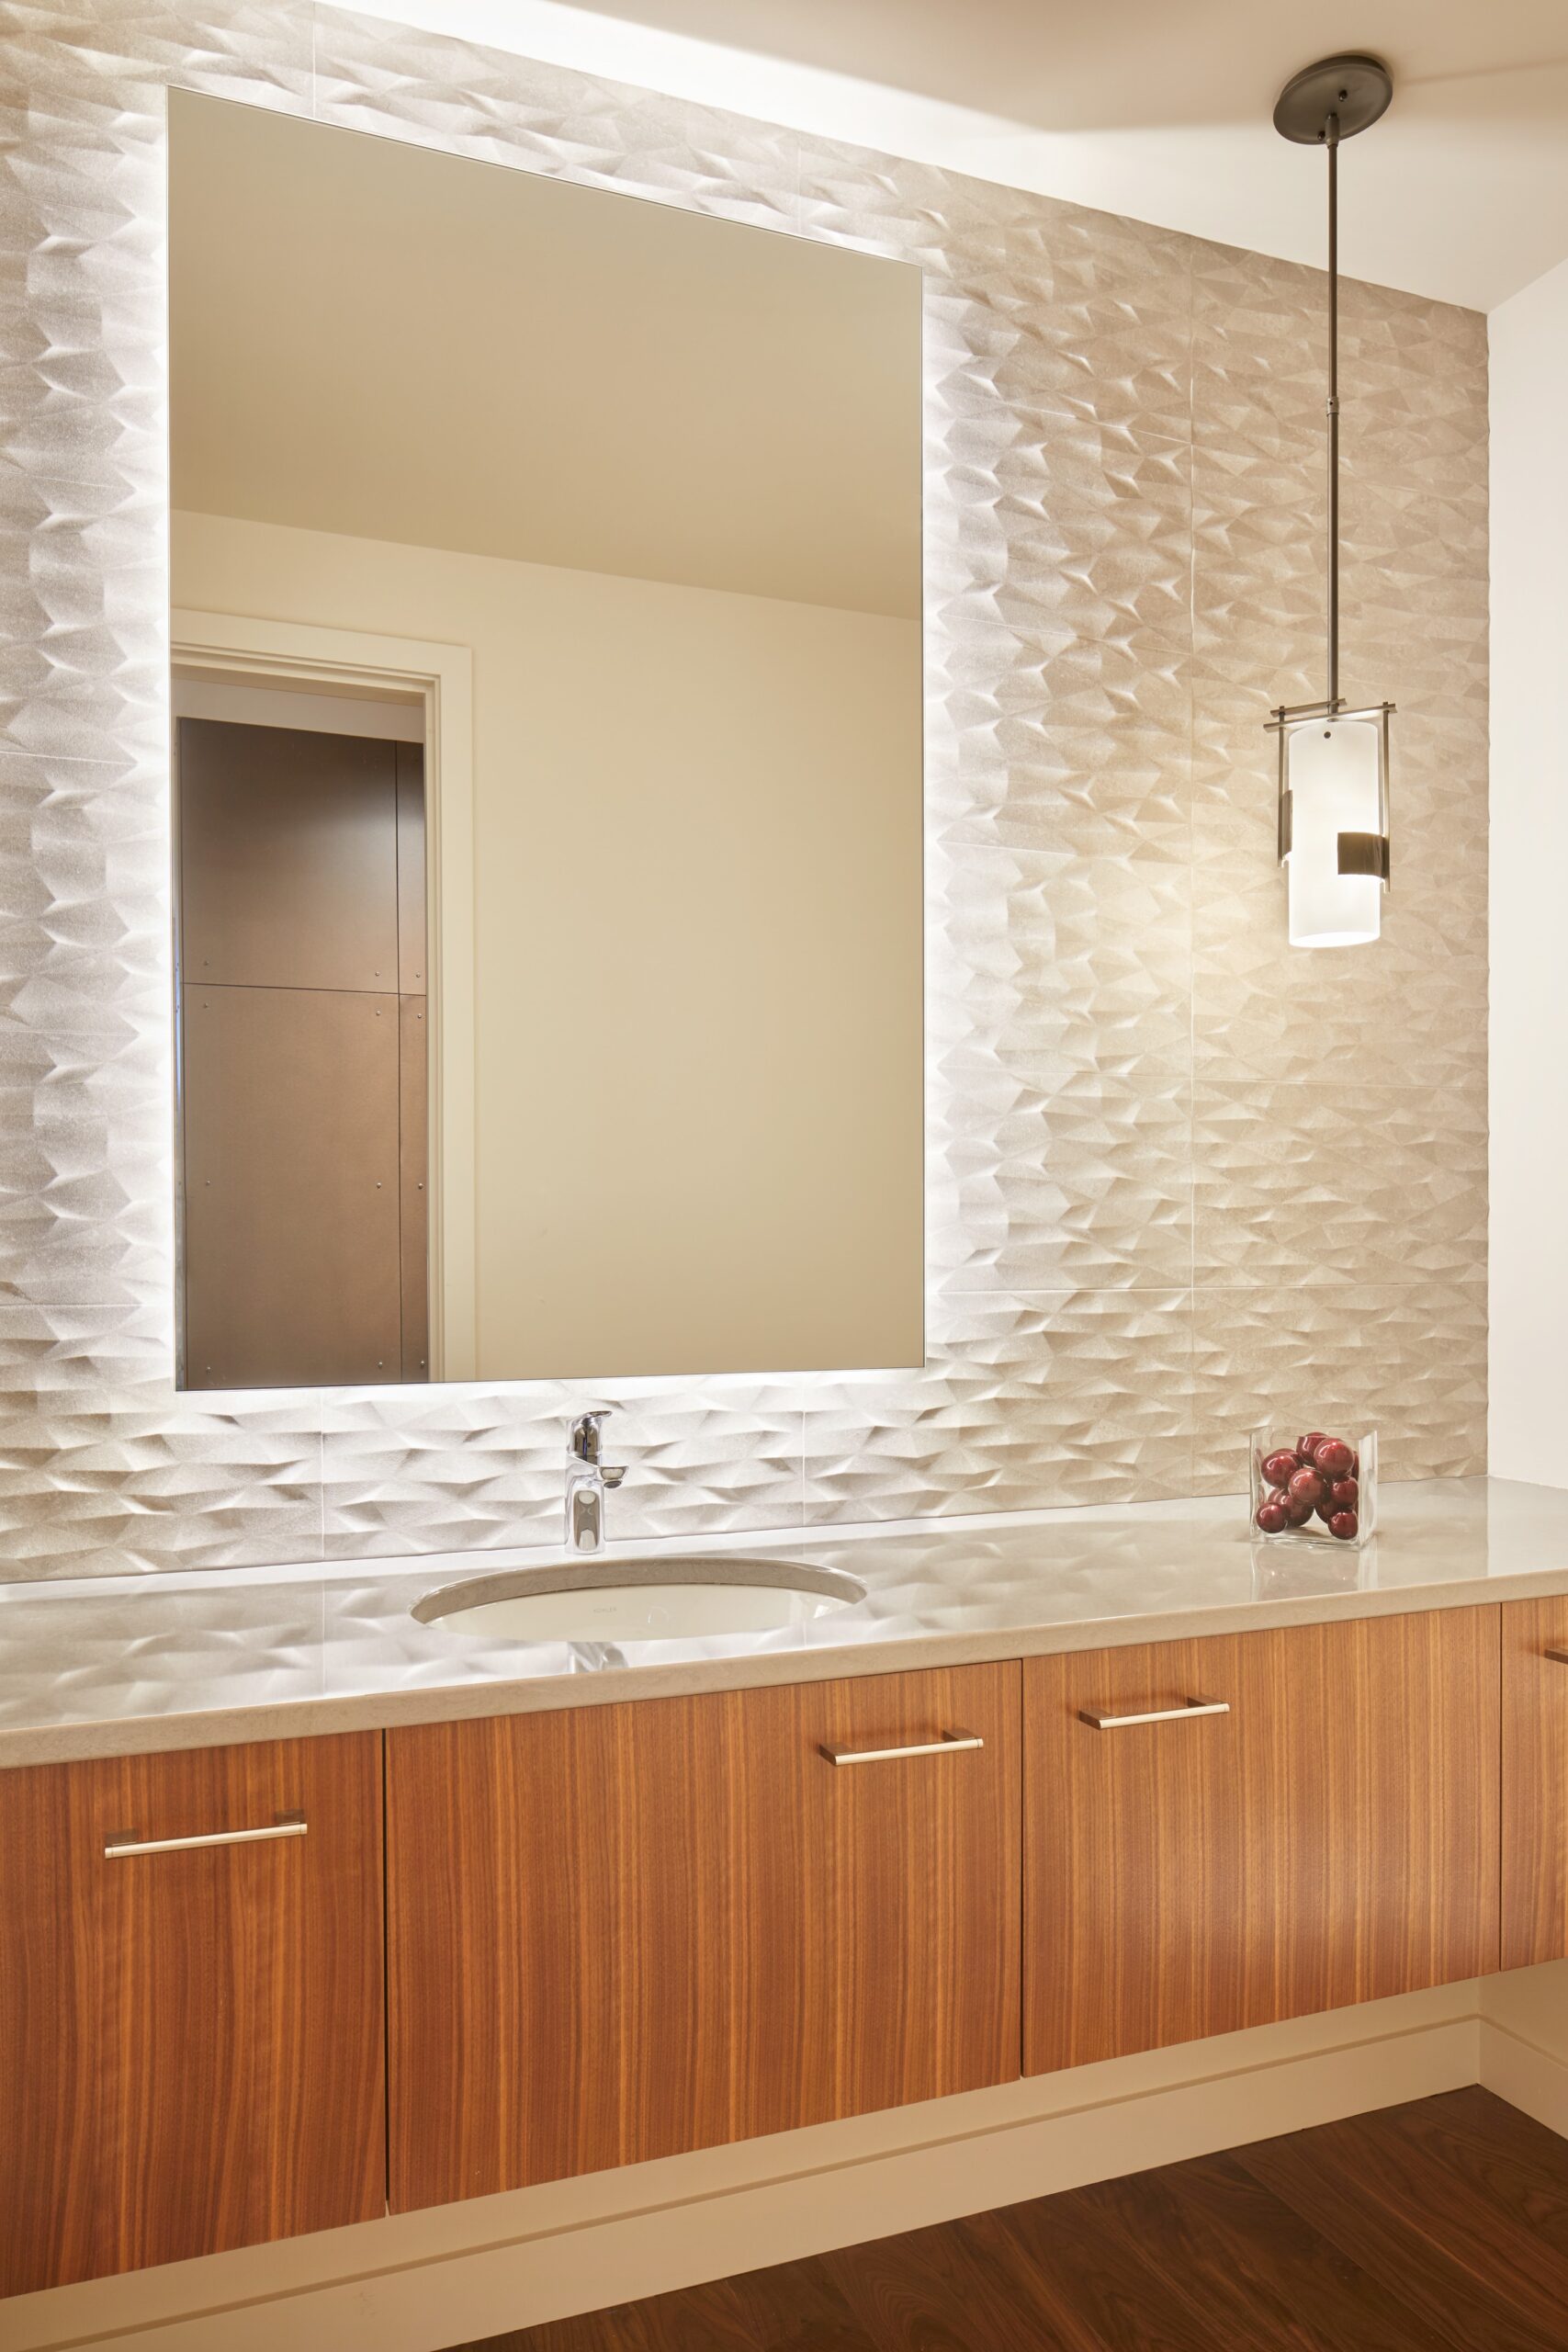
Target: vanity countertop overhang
pixel 119 1665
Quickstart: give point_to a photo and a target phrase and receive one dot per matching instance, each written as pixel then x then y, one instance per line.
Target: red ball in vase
pixel 1344 1524
pixel 1307 1486
pixel 1344 1493
pixel 1300 1511
pixel 1273 1517
pixel 1281 1466
pixel 1333 1458
pixel 1304 1445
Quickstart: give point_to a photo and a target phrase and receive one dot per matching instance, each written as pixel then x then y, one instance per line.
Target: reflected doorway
pixel 303 1036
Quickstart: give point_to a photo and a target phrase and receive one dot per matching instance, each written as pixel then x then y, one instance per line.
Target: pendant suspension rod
pixel 1331 136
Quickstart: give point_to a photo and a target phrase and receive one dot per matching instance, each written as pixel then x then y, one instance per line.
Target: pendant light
pixel 1333 761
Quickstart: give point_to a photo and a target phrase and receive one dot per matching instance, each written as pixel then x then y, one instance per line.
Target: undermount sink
pixel 639 1600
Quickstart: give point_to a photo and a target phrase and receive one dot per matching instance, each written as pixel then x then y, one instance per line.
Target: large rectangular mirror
pixel 546 642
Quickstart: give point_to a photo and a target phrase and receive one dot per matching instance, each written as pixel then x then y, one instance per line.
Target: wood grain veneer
pixel 1535 1782
pixel 289 858
pixel 413 1182
pixel 303 1082
pixel 292 1245
pixel 1332 1839
pixel 413 971
pixel 190 2044
pixel 1469 2221
pixel 414 1064
pixel 1441 2226
pixel 620 1931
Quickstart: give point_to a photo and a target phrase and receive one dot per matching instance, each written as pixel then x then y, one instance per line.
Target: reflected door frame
pixel 244 648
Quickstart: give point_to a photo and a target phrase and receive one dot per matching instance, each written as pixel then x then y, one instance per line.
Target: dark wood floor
pixel 1438 2227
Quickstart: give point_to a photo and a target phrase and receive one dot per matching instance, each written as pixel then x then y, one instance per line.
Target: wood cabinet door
pixel 1330 1837
pixel 190 2040
pixel 620 1931
pixel 1535 1782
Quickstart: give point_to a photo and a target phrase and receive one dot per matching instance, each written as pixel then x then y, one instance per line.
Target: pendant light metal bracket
pixel 1355 90
pixel 1321 106
pixel 1359 852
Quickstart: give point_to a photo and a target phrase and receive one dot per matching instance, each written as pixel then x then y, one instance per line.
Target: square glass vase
pixel 1316 1488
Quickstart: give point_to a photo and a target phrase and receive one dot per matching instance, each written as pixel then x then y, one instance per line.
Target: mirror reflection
pixel 545 576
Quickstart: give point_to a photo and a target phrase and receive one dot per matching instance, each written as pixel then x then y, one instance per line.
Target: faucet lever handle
pixel 584 1443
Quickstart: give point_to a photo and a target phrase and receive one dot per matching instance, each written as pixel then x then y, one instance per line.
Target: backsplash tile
pixel 1061 1176
pixel 86 1205
pixel 1041 951
pixel 1335 1180
pixel 104 1471
pixel 443 1469
pixel 1177 1172
pixel 437 1469
pixel 439 92
pixel 1032 307
pixel 1407 1359
pixel 1413 1008
pixel 1085 1397
pixel 104 62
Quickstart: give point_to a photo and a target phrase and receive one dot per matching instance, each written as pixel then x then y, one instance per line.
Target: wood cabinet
pixel 190 2038
pixel 618 1931
pixel 1535 1782
pixel 1330 1837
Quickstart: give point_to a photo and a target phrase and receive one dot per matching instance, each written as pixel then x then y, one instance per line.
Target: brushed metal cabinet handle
pixel 948 1744
pixel 288 1824
pixel 1097 1721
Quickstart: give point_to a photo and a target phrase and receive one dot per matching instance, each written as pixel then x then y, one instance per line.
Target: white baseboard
pixel 1528 2078
pixel 418 2282
pixel 1524 2041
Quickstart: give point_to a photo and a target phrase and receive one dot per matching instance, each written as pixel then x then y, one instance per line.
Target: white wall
pixel 1528 1414
pixel 668 782
pixel 1524 2041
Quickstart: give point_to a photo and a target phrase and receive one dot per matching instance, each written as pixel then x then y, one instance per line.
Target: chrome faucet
pixel 586 1481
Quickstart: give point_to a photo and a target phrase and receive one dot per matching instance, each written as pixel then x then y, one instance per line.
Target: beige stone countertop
pixel 116 1665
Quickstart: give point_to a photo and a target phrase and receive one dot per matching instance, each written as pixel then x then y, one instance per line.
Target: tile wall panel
pixel 137 1477
pixel 1176 1171
pixel 442 1468
pixel 1082 1396
pixel 1408 1359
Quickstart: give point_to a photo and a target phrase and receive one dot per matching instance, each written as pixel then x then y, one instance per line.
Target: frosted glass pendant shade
pixel 1334 786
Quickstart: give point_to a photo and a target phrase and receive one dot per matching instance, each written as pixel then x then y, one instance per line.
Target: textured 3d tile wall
pixel 1176 1172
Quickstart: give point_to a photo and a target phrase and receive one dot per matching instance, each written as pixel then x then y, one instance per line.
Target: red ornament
pixel 1344 1493
pixel 1304 1445
pixel 1278 1468
pixel 1333 1458
pixel 1343 1524
pixel 1307 1486
pixel 1300 1511
pixel 1273 1517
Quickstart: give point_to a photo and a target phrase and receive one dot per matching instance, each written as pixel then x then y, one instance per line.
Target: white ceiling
pixel 372 338
pixel 1159 109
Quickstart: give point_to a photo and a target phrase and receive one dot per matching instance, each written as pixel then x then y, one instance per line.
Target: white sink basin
pixel 638 1601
